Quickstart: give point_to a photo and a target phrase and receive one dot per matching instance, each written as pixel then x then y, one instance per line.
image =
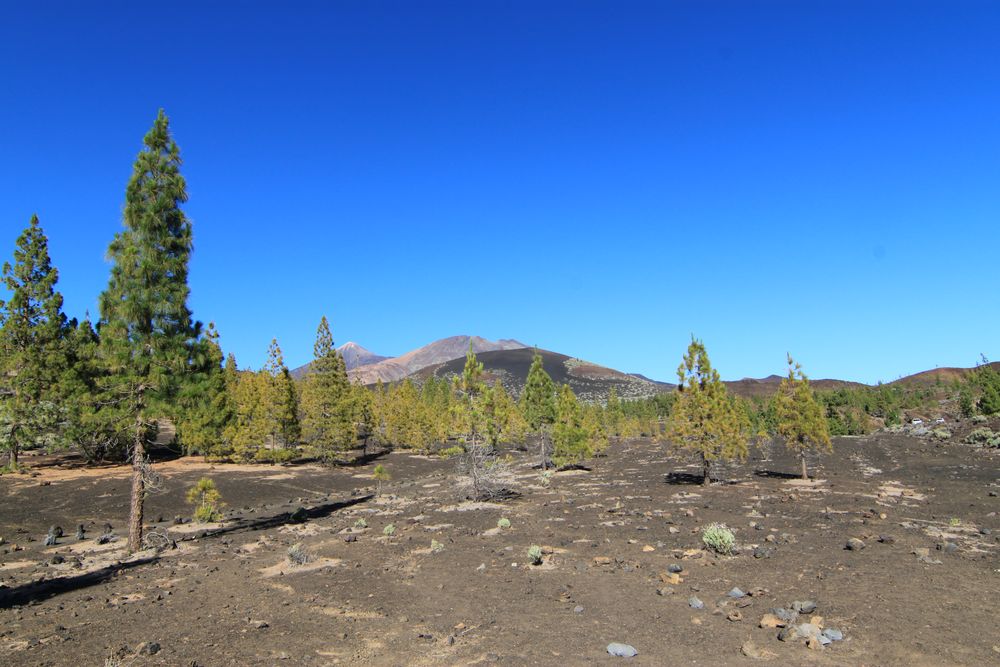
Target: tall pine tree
pixel 704 419
pixel 146 330
pixel 32 350
pixel 280 407
pixel 207 407
pixel 327 415
pixel 538 404
pixel 801 420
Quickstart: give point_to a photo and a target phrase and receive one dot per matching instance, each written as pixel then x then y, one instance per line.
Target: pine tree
pixel 504 422
pixel 32 350
pixel 570 441
pixel 469 389
pixel 207 407
pixel 613 413
pixel 146 330
pixel 538 403
pixel 703 419
pixel 327 414
pixel 800 418
pixel 248 430
pixel 279 407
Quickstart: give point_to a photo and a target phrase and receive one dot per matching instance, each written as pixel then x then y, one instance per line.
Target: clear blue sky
pixel 601 179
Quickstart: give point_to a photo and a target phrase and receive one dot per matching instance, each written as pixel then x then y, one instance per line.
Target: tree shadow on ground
pixel 776 474
pixel 692 479
pixel 37 591
pixel 243 525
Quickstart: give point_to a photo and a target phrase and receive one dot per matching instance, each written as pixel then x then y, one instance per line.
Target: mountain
pixel 589 381
pixel 764 387
pixel 354 356
pixel 944 375
pixel 446 349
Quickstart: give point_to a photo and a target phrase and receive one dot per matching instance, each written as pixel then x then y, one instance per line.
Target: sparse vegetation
pixel 719 538
pixel 361 524
pixel 800 419
pixel 436 547
pixel 503 523
pixel 535 554
pixel 297 554
pixel 380 475
pixel 389 530
pixel 206 500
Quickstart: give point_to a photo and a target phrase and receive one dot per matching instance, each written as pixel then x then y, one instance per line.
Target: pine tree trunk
pixel 13 454
pixel 805 475
pixel 707 470
pixel 545 459
pixel 138 490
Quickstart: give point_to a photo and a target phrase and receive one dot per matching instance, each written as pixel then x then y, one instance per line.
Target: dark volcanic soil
pixel 231 597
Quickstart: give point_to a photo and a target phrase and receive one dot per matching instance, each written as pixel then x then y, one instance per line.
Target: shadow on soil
pixel 37 591
pixel 775 474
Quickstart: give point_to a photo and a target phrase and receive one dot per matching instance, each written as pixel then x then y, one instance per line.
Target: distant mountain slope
pixel 446 349
pixel 588 381
pixel 354 356
pixel 763 387
pixel 947 374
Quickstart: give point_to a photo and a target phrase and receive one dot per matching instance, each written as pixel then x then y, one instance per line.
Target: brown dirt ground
pixel 392 601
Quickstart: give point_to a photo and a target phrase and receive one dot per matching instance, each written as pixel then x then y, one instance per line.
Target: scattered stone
pixel 816 620
pixel 772 621
pixel 735 615
pixel 58 559
pixel 648 548
pixel 50 540
pixel 56 531
pixel 147 648
pixel 854 544
pixel 670 578
pixel 736 593
pixel 675 568
pixel 921 552
pixel 833 634
pixel 351 538
pixel 886 539
pixel 80 532
pixel 948 547
pixel 601 560
pixel 751 650
pixel 622 650
pixel 578 609
pixel 259 625
pixel 804 607
pixel 695 603
pixel 762 552
pixel 814 643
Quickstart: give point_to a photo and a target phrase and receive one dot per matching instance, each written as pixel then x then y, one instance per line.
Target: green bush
pixel 504 522
pixel 719 538
pixel 535 554
pixel 206 499
pixel 436 547
pixel 941 433
pixel 389 530
pixel 361 523
pixel 297 554
pixel 980 436
pixel 450 452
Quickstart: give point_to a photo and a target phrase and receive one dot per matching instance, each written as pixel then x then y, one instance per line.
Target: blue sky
pixel 601 179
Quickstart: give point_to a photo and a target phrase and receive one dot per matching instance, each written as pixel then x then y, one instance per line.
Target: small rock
pixel 814 643
pixel 80 532
pixel 57 560
pixel 816 620
pixel 670 578
pixel 804 607
pixel 751 650
pixel 736 593
pixel 734 615
pixel 695 603
pixel 50 540
pixel 601 560
pixel 622 650
pixel 948 547
pixel 147 648
pixel 259 625
pixel 854 544
pixel 352 538
pixel 578 609
pixel 788 634
pixel 771 621
pixel 762 552
pixel 833 634
pixel 675 568
pixel 648 548
pixel 886 539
